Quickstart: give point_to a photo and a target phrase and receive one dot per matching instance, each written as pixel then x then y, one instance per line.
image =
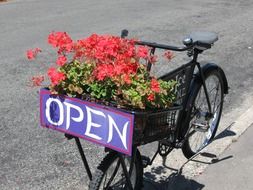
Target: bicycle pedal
pixel 145 161
pixel 201 127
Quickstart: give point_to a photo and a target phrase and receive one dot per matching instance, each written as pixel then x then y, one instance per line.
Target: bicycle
pixel 194 116
pixel 197 113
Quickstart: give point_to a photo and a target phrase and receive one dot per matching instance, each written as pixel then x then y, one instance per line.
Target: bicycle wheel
pixel 109 174
pixel 202 125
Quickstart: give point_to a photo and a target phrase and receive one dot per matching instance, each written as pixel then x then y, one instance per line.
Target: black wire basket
pixel 153 126
pixel 159 124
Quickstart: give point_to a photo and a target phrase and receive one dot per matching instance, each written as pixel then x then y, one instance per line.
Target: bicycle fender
pixel 207 68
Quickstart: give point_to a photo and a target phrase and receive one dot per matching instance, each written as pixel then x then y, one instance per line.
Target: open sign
pixel 96 123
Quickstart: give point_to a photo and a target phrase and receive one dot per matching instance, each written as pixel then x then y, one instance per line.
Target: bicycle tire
pixel 191 117
pixel 107 163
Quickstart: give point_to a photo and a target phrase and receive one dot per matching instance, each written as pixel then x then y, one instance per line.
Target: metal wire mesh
pixel 158 125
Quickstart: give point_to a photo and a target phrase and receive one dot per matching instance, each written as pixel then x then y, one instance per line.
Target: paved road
pixel 35 158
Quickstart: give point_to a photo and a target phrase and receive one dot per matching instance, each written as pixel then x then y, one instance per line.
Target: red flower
pixel 31 54
pixel 168 55
pixel 37 50
pixel 143 52
pixel 104 70
pixel 61 60
pixel 155 86
pixel 55 76
pixel 153 58
pixel 60 40
pixel 113 56
pixel 127 79
pixel 151 97
pixel 37 80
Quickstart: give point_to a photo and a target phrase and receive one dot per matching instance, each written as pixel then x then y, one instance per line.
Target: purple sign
pixel 96 123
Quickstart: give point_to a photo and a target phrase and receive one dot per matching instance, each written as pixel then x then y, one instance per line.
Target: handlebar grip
pixel 124 33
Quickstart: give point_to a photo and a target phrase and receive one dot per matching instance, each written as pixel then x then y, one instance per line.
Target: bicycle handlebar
pixel 162 46
pixel 124 33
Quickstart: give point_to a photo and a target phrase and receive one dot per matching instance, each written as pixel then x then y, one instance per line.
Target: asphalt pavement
pixel 36 158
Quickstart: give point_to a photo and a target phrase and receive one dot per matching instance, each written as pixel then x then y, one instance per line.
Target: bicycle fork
pixel 205 89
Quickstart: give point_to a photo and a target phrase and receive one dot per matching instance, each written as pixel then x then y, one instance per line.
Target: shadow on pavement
pixel 173 182
pixel 177 181
pixel 226 132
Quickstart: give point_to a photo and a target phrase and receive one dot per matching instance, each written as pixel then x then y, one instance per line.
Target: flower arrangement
pixel 106 68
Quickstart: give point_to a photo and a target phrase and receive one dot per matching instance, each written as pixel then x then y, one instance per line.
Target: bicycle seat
pixel 203 40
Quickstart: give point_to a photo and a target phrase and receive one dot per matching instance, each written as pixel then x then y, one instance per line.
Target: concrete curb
pixel 220 144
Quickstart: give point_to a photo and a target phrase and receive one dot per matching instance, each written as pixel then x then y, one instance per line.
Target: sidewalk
pixel 233 171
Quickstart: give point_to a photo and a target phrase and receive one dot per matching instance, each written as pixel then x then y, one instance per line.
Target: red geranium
pixel 153 58
pixel 61 60
pixel 151 97
pixel 168 55
pixel 37 80
pixel 32 53
pixel 143 52
pixel 127 79
pixel 105 67
pixel 62 41
pixel 155 86
pixel 55 76
pixel 113 55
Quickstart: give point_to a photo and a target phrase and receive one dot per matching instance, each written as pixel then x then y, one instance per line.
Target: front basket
pixel 108 126
pixel 153 126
